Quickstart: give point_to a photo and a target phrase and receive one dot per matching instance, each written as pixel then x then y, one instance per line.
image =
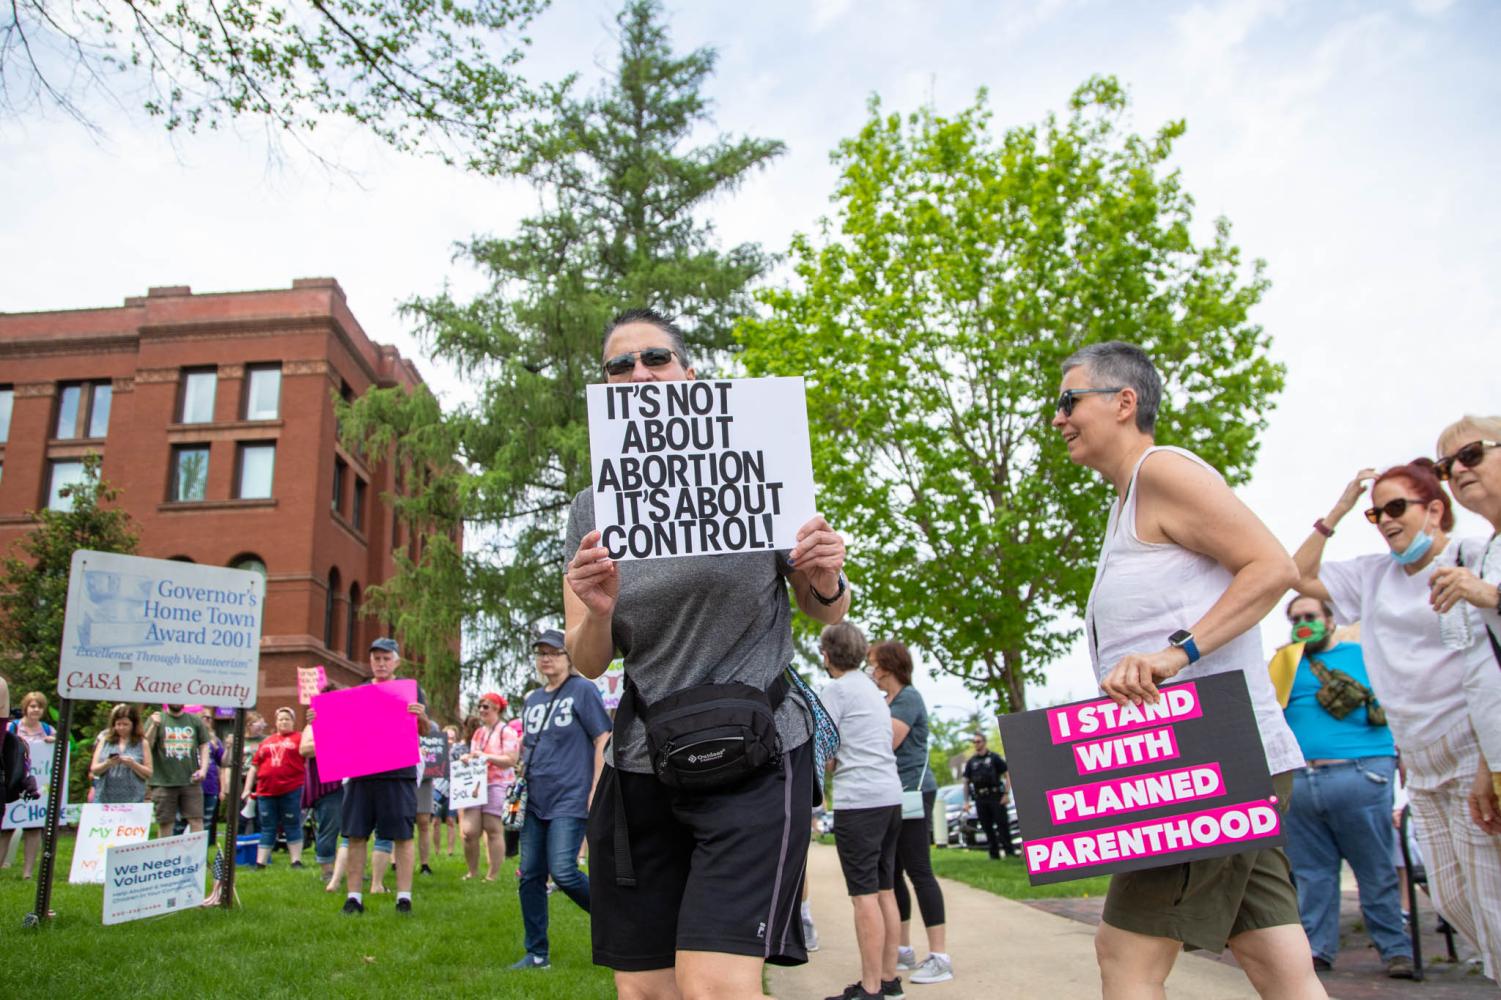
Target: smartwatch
pixel 1184 640
pixel 828 601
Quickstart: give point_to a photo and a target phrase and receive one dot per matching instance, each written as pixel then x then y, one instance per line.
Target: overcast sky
pixel 1353 145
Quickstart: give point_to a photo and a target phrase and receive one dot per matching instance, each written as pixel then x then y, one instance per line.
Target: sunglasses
pixel 652 357
pixel 1470 456
pixel 1392 508
pixel 1067 398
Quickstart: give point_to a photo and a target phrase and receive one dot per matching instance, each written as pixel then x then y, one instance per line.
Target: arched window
pixel 250 561
pixel 352 627
pixel 330 610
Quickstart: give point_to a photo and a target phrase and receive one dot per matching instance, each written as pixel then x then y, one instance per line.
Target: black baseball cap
pixel 549 637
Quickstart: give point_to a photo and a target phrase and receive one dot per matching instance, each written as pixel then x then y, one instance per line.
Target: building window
pixel 59 476
pixel 357 515
pixel 339 469
pixel 197 403
pixel 330 610
pixel 253 563
pixel 263 392
pixel 190 472
pixel 257 462
pixel 352 626
pixel 7 400
pixel 82 410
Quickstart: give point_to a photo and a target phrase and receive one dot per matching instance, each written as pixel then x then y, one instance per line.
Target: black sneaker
pixel 854 991
pixel 259 867
pixel 352 907
pixel 295 864
pixel 891 989
pixel 426 870
pixel 404 907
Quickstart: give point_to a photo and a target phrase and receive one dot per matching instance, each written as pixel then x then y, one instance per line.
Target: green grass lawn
pixel 1007 877
pixel 288 939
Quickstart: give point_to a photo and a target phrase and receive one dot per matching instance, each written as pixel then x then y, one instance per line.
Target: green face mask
pixel 1312 632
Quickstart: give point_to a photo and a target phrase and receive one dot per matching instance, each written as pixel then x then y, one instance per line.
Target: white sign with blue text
pixel 157 630
pixel 155 877
pixel 31 814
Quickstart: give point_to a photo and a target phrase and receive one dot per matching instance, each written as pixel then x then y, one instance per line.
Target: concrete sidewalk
pixel 1000 948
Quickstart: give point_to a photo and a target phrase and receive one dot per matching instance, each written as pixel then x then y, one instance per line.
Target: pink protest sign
pixel 365 730
pixel 1182 779
pixel 310 682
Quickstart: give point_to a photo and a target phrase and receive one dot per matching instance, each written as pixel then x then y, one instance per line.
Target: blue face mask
pixel 1416 549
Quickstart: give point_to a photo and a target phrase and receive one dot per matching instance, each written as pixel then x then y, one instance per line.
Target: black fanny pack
pixel 709 737
pixel 705 738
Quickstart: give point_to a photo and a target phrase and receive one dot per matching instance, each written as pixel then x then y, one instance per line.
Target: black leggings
pixel 914 861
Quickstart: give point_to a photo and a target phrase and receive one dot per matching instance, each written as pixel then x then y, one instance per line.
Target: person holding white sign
pixel 32 729
pixel 499 747
pixel 1186 572
pixel 682 625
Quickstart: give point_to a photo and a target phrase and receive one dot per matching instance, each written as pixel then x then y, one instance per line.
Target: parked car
pixel 962 825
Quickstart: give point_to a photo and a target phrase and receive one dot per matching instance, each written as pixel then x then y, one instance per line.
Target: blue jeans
pixel 285 809
pixel 326 817
pixel 1345 811
pixel 549 845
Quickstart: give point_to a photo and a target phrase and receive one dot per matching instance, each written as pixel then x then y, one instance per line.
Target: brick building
pixel 213 414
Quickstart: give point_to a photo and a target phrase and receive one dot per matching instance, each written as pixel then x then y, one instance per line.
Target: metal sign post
pixel 232 828
pixel 55 792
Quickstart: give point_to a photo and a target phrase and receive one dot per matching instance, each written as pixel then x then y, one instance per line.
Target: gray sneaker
pixel 932 970
pixel 810 934
pixel 906 959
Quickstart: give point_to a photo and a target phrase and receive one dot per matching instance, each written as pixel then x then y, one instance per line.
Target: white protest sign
pixel 466 784
pixel 31 814
pixel 155 877
pixel 102 826
pixel 699 468
pixel 611 684
pixel 157 630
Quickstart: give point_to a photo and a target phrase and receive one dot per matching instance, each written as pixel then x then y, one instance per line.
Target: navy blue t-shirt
pixel 560 759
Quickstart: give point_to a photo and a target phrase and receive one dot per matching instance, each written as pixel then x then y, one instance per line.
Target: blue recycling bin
pixel 245 849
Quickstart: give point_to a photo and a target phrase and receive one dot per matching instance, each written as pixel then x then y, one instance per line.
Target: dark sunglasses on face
pixel 1066 400
pixel 652 357
pixel 1469 456
pixel 1392 508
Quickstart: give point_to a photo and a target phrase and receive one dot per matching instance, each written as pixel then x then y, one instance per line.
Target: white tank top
pixel 1143 592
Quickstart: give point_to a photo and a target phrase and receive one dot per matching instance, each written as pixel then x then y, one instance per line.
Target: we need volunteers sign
pixel 154 877
pixel 157 630
pixel 1103 788
pixel 698 467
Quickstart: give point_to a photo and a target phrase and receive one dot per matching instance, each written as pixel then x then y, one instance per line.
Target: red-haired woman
pixel 1419 680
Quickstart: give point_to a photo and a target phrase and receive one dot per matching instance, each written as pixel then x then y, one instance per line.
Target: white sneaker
pixel 906 959
pixel 932 970
pixel 810 934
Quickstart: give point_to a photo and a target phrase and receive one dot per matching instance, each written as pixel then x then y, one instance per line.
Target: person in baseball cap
pixel 551 638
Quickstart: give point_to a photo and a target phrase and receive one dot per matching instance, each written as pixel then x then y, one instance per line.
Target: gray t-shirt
pixel 865 775
pixel 912 754
pixel 698 620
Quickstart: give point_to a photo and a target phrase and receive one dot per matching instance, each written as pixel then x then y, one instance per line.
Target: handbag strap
pixel 552 703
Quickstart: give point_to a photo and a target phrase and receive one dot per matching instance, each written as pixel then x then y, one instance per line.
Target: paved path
pixel 1001 949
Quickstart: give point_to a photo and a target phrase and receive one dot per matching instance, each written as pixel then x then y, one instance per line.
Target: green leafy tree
pixel 418 74
pixel 931 315
pixel 34 584
pixel 621 187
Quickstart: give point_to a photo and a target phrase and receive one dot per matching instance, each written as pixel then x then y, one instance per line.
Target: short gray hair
pixel 844 645
pixel 651 318
pixel 1118 363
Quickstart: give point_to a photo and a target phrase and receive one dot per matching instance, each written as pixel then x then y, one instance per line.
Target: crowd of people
pixel 694 797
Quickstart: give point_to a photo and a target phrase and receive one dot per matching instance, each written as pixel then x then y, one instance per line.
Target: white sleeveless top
pixel 1144 592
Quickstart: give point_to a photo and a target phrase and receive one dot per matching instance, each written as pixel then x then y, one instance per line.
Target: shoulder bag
pixel 1340 694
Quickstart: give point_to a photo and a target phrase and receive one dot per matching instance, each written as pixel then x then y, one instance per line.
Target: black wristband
pixel 827 601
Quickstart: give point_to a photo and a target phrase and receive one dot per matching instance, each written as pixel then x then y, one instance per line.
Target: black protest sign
pixel 689 468
pixel 434 755
pixel 1102 788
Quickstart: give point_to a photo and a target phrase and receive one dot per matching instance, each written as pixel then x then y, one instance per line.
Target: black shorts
pixel 380 804
pixel 866 840
pixel 720 872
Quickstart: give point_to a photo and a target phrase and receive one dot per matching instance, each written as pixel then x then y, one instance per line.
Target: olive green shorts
pixel 1206 903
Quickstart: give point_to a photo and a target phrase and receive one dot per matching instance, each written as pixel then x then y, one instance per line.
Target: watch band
pixel 1191 648
pixel 1323 528
pixel 828 601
